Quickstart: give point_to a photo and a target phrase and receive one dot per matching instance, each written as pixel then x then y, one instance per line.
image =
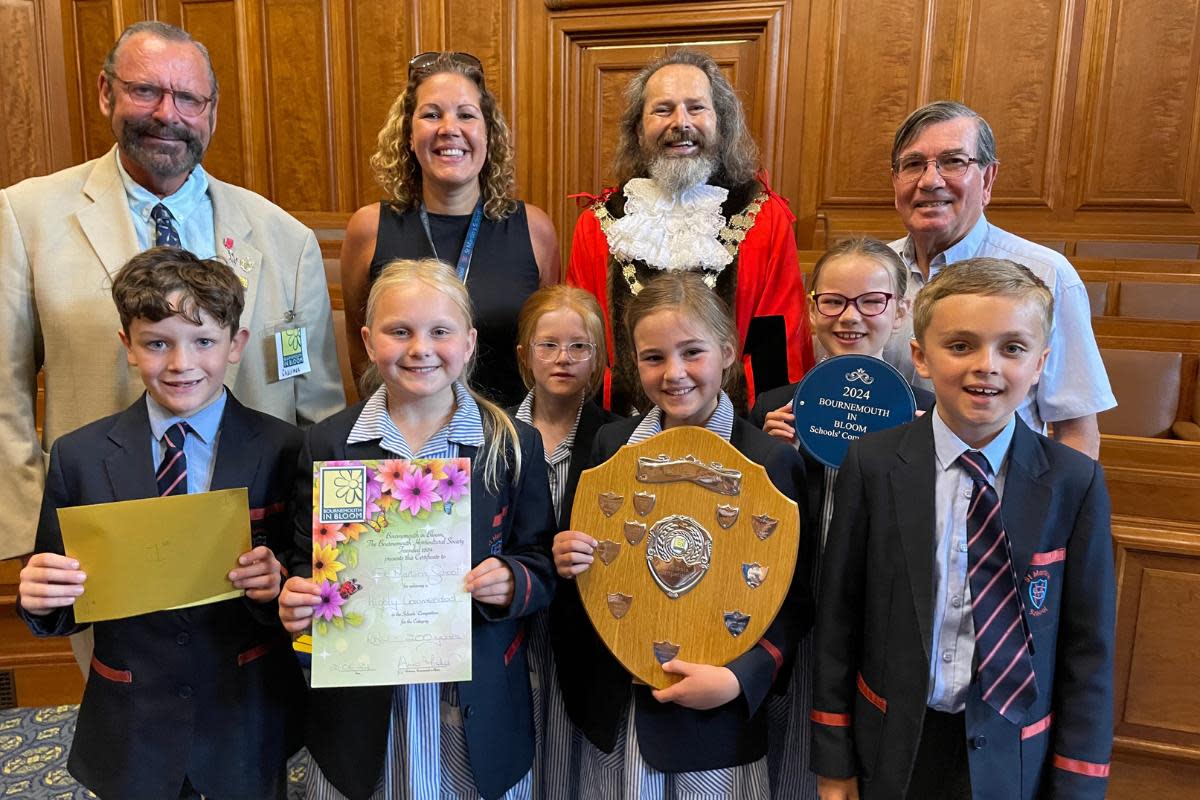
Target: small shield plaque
pixel 610 502
pixel 763 525
pixel 619 604
pixel 678 552
pixel 643 502
pixel 608 551
pixel 736 622
pixel 726 516
pixel 665 651
pixel 635 532
pixel 754 574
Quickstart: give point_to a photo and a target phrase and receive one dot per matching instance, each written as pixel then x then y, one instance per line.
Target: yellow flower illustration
pixel 325 563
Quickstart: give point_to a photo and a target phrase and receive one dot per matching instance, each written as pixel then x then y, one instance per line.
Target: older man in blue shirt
pixel 943 169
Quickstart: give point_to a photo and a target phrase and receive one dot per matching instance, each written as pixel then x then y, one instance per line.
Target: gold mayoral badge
pixel 696 551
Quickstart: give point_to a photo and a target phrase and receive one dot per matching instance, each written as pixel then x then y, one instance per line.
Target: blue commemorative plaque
pixel 843 398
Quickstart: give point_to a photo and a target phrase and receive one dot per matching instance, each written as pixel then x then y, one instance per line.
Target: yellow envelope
pixel 150 555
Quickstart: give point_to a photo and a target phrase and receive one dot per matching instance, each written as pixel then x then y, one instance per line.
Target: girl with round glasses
pixel 856 303
pixel 562 358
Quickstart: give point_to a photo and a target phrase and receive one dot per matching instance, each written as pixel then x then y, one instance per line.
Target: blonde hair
pixel 499 431
pixel 869 248
pixel 988 277
pixel 687 293
pixel 397 170
pixel 561 297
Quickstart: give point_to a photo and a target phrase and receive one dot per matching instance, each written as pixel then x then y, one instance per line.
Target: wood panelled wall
pixel 1094 104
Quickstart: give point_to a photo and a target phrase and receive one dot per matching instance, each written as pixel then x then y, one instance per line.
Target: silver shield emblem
pixel 678 553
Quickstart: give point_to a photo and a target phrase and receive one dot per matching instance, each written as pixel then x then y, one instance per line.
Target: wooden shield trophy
pixel 695 556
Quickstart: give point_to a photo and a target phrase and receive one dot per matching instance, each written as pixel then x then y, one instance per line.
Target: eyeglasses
pixel 147 95
pixel 949 165
pixel 423 61
pixel 576 351
pixel 869 304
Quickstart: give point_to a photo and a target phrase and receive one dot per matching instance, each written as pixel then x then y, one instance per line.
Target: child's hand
pixel 491 582
pixel 296 603
pixel 779 423
pixel 50 581
pixel 837 788
pixel 572 553
pixel 703 686
pixel 257 574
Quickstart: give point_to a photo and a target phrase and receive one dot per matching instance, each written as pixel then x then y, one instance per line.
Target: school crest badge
pixel 1037 592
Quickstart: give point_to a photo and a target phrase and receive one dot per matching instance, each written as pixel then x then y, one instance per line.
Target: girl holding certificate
pixel 707 734
pixel 468 739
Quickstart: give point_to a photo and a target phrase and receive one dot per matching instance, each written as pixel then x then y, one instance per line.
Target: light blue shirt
pixel 191 212
pixel 953 640
pixel 199 447
pixel 1074 382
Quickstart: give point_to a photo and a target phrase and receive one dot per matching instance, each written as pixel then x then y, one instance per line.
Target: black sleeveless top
pixel 503 274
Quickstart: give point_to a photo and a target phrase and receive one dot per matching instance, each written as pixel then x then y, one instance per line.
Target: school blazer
pixel 347 728
pixel 590 420
pixel 205 691
pixel 779 397
pixel 63 237
pixel 672 738
pixel 876 611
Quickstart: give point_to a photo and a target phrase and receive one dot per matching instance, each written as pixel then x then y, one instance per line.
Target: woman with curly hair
pixel 444 161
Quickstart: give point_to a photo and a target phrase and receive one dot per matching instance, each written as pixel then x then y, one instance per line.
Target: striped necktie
pixel 164 231
pixel 172 470
pixel 1003 644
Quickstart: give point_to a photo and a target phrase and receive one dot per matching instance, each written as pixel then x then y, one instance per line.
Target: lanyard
pixel 468 247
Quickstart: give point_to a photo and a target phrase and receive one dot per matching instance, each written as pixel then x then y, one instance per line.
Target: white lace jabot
pixel 670 231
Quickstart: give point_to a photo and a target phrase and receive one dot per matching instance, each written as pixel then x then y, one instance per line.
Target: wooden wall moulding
pixel 1139 138
pixel 594 53
pixel 1157 707
pixel 1158 478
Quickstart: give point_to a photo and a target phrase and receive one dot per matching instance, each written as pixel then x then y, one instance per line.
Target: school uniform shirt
pixel 682 754
pixel 191 212
pixel 1074 382
pixel 199 446
pixel 426 752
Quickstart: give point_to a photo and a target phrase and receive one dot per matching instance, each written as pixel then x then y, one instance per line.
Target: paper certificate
pixel 391 546
pixel 158 553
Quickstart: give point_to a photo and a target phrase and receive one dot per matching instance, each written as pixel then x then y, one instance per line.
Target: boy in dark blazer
pixel 964 642
pixel 187 702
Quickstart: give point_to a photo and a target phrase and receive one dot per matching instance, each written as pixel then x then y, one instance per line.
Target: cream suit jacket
pixel 63 237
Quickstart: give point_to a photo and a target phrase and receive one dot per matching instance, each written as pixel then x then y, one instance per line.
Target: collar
pixel 525 414
pixel 964 248
pixel 205 422
pixel 374 424
pixel 720 423
pixel 949 447
pixel 181 204
pixel 667 231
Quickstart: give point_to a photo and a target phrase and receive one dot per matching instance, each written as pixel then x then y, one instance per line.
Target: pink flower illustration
pixel 374 492
pixel 416 492
pixel 456 483
pixel 331 602
pixel 389 475
pixel 328 534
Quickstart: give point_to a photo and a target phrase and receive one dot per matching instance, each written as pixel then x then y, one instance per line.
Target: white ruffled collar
pixel 671 232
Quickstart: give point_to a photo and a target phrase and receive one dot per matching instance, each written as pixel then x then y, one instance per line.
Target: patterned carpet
pixel 34 743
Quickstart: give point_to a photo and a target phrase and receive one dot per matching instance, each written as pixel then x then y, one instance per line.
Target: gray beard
pixel 674 175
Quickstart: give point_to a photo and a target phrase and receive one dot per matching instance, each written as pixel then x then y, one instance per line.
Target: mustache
pixel 675 136
pixel 159 130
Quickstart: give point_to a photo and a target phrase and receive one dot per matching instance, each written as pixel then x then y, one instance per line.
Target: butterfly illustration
pixel 348 588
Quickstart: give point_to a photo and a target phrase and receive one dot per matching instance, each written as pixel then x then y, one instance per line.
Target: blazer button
pixel 978 742
pixel 183 639
pixel 466 712
pixel 185 691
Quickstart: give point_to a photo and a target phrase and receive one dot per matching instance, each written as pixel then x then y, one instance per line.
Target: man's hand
pixel 257 574
pixel 50 581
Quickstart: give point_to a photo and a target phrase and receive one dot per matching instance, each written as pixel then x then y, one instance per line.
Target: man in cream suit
pixel 64 236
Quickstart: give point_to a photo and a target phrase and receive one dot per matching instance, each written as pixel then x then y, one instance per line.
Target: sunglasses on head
pixel 427 60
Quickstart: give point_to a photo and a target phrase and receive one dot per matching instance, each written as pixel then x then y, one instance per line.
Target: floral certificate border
pixel 391 546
